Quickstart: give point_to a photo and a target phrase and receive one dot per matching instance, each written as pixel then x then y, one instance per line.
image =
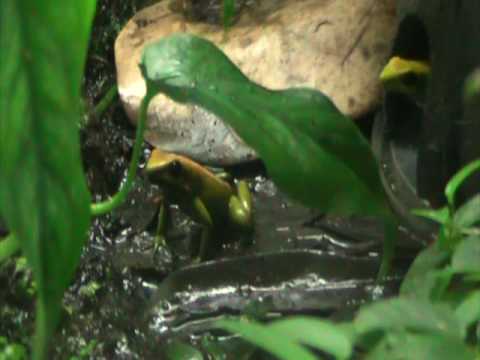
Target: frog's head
pixel 406 76
pixel 166 168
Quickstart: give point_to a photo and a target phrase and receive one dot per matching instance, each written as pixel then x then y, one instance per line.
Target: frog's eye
pixel 175 168
pixel 410 79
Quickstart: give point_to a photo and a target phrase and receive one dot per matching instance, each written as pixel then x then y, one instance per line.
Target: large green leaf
pixel 468 312
pixel 429 286
pixel 408 314
pixel 268 339
pixel 466 258
pixel 426 273
pixel 312 151
pixel 319 334
pixel 399 345
pixel 43 195
pixel 469 213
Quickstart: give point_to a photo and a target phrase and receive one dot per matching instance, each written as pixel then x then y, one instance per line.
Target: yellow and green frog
pixel 204 196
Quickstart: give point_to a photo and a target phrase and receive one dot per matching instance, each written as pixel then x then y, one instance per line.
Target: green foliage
pixel 434 315
pixel 89 289
pixel 43 195
pixel 408 328
pixel 469 214
pixel 455 182
pixel 106 101
pixel 466 258
pixel 316 333
pixel 423 278
pixel 408 314
pixel 468 312
pixel 453 253
pixel 286 338
pixel 86 351
pixel 455 221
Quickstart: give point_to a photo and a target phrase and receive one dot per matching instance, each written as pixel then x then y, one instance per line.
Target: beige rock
pixel 335 46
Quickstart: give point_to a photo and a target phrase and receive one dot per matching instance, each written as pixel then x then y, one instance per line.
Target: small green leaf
pixel 429 286
pixel 268 339
pixel 402 346
pixel 8 246
pixel 43 194
pixel 422 277
pixel 466 258
pixel 468 312
pixel 13 352
pixel 472 86
pixel 408 314
pixel 440 216
pixel 458 179
pixel 316 333
pixel 228 12
pixel 469 213
pixel 178 350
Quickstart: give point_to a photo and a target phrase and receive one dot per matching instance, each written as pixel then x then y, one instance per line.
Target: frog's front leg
pixel 206 238
pixel 240 206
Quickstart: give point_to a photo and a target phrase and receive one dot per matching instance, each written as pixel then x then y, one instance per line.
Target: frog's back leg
pixel 240 207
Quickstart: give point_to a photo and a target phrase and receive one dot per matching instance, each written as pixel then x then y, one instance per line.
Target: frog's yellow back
pixel 184 174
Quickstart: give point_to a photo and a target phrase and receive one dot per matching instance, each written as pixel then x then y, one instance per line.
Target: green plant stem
pixel 228 13
pixel 106 101
pixel 95 113
pixel 8 246
pixel 40 341
pixel 458 179
pixel 110 204
pixel 390 234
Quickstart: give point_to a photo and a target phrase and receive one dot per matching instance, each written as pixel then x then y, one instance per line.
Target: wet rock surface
pixel 335 47
pixel 288 282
